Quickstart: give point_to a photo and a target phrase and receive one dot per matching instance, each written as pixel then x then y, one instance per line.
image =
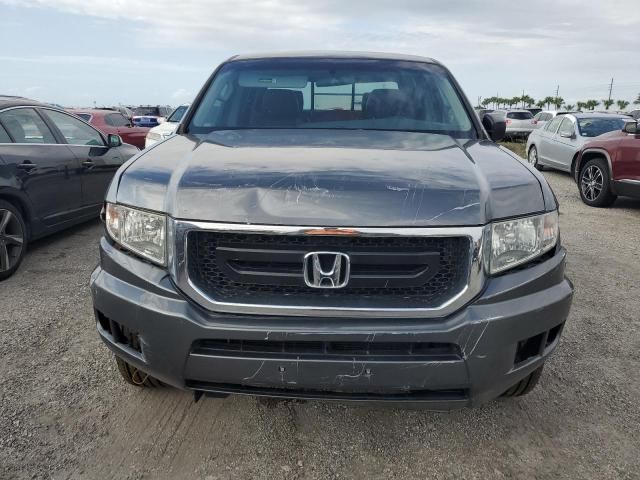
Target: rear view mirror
pixel 114 140
pixel 495 126
pixel 631 127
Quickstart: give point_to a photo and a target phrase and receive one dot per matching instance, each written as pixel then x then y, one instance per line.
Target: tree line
pixel 558 102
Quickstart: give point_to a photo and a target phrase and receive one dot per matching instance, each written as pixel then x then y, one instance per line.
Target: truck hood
pixel 330 178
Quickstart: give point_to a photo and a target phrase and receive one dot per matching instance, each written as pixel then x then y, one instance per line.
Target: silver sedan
pixel 557 144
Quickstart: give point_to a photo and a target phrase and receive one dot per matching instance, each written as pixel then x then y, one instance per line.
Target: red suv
pixel 609 166
pixel 113 122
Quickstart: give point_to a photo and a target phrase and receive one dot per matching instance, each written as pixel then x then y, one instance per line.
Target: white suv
pixel 166 129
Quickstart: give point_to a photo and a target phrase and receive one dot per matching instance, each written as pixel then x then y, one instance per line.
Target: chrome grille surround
pixel 177 240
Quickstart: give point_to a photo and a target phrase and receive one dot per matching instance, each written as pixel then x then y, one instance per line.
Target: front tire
pixel 594 184
pixel 532 156
pixel 13 239
pixel 136 377
pixel 525 385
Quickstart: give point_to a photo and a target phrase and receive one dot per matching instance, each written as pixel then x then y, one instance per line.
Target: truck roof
pixel 334 55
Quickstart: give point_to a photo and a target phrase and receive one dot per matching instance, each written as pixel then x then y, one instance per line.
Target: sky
pixel 109 52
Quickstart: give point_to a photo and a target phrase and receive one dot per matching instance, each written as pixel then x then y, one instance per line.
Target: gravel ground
pixel 64 413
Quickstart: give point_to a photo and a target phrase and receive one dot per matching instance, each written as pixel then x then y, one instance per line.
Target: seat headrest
pixel 386 102
pixel 281 105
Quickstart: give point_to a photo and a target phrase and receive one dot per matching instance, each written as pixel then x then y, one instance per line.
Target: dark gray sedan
pixel 54 171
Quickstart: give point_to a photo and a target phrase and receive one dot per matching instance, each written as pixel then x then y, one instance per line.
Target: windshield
pixel 592 127
pixel 153 111
pixel 177 114
pixel 520 115
pixel 333 94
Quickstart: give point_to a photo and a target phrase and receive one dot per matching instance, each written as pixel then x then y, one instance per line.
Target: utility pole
pixel 610 89
pixel 557 91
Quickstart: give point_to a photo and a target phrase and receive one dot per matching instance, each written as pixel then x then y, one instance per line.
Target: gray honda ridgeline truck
pixel 332 226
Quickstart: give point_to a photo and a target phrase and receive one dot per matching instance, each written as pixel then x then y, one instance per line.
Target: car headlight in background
pixel 514 242
pixel 144 233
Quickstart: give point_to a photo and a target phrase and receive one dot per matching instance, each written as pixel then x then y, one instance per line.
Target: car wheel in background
pixel 595 185
pixel 525 385
pixel 532 157
pixel 136 377
pixel 13 239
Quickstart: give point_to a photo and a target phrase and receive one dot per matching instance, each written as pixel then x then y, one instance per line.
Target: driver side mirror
pixel 631 128
pixel 114 140
pixel 495 126
pixel 568 135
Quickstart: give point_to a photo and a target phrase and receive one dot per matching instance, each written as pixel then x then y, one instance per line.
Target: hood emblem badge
pixel 326 269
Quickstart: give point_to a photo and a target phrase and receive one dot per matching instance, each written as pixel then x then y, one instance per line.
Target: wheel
pixel 525 385
pixel 594 184
pixel 13 239
pixel 136 377
pixel 533 158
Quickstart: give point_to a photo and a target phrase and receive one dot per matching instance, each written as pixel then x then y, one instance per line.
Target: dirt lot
pixel 64 413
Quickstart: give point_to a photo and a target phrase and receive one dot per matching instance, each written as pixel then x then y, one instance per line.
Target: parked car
pixel 558 143
pixel 541 118
pixel 166 129
pixel 635 114
pixel 534 110
pixel 520 123
pixel 54 171
pixel 150 116
pixel 384 252
pixel 113 122
pixel 609 166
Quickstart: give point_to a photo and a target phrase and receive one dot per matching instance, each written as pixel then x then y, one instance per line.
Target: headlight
pixel 144 233
pixel 517 241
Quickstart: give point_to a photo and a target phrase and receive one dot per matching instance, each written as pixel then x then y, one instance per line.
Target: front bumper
pixel 484 354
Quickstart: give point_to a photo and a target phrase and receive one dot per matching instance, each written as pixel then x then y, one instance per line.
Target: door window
pixel 24 125
pixel 4 136
pixel 116 120
pixel 75 131
pixel 567 128
pixel 553 125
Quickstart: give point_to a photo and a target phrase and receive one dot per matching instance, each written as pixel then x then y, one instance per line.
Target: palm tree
pixel 592 104
pixel 622 104
pixel 548 101
pixel 526 100
pixel 607 103
pixel 540 103
pixel 558 101
pixel 637 100
pixel 570 107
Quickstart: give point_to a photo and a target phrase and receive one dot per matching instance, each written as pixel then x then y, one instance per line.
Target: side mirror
pixel 631 128
pixel 495 126
pixel 568 135
pixel 114 140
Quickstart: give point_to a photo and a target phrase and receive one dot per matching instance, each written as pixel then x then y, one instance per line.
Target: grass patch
pixel 516 147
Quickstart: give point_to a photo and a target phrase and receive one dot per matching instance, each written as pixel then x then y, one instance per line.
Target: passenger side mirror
pixel 114 140
pixel 631 127
pixel 495 126
pixel 568 135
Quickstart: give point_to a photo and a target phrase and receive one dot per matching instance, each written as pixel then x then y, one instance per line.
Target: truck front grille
pixel 385 272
